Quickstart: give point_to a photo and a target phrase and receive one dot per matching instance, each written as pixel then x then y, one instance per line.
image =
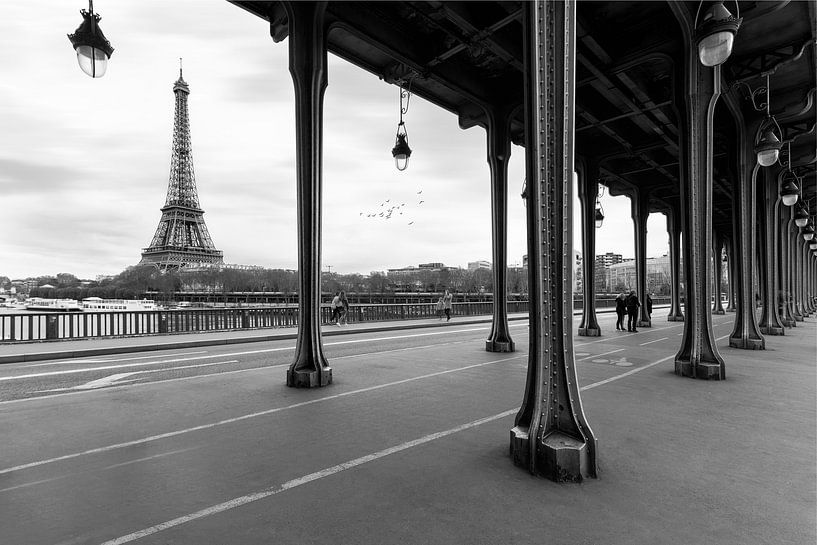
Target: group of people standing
pixel 628 304
pixel 340 308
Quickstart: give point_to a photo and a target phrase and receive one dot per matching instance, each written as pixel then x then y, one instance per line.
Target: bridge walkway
pixel 411 446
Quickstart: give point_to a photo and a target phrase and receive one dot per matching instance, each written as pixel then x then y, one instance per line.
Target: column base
pixel 719 311
pixel 704 371
pixel 644 323
pixel 772 330
pixel 798 318
pixel 747 344
pixel 499 346
pixel 675 318
pixel 789 323
pixel 589 332
pixel 559 457
pixel 309 379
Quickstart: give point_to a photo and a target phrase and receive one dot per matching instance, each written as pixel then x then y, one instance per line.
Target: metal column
pixel 588 172
pixel 307 65
pixel 499 153
pixel 551 436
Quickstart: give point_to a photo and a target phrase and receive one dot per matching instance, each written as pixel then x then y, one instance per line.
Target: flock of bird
pixel 387 209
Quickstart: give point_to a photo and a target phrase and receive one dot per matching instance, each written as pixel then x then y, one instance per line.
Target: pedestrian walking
pixel 632 311
pixel 335 306
pixel 440 307
pixel 621 310
pixel 648 302
pixel 344 309
pixel 447 304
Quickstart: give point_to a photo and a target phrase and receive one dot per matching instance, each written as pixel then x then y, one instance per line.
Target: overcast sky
pixel 84 162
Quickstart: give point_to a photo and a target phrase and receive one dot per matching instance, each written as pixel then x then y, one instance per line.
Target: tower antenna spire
pixel 180 67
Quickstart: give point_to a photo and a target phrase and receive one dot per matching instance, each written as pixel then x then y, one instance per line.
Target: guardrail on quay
pixel 37 326
pixel 27 326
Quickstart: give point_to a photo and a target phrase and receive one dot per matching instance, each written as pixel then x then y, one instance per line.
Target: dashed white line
pixel 655 341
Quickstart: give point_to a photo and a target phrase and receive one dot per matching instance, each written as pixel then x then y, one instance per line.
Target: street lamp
pixel 768 146
pixel 599 215
pixel 789 191
pixel 808 232
pixel 716 33
pixel 401 150
pixel 801 216
pixel 93 49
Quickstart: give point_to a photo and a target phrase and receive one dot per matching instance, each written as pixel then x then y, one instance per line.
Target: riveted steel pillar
pixel 794 299
pixel 746 333
pixel 698 356
pixel 588 171
pixel 307 65
pixel 551 436
pixel 730 273
pixel 640 211
pixel 717 273
pixel 499 153
pixel 770 323
pixel 674 232
pixel 784 215
pixel 800 245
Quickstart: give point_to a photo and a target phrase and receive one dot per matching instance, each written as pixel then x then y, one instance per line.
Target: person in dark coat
pixel 632 311
pixel 621 310
pixel 649 305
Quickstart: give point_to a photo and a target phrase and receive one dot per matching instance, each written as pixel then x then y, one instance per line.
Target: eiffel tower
pixel 182 239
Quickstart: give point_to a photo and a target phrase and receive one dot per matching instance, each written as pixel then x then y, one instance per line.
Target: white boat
pixel 40 304
pixel 124 305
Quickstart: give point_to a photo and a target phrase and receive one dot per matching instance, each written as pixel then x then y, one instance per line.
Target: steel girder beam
pixel 588 172
pixel 307 65
pixel 767 62
pixel 551 435
pixel 499 153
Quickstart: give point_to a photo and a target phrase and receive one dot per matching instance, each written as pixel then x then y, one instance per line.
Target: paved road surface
pixel 408 445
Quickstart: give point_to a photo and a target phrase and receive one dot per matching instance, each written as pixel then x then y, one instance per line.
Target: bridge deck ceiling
pixel 467 56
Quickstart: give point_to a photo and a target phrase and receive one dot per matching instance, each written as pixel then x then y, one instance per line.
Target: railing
pixel 31 326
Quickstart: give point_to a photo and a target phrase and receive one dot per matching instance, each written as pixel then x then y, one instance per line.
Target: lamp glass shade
pixel 767 157
pixel 790 200
pixel 801 218
pixel 808 236
pixel 92 61
pixel 401 152
pixel 813 245
pixel 599 218
pixel 715 48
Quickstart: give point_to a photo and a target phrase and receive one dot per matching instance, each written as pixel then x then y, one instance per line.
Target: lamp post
pixel 93 49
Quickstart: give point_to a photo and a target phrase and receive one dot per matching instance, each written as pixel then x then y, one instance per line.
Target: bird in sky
pixel 411 223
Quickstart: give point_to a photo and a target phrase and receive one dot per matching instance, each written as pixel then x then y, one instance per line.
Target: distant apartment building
pixel 608 259
pixel 474 265
pixel 623 275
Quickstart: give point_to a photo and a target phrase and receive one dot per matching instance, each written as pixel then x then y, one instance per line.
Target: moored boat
pixel 99 304
pixel 41 304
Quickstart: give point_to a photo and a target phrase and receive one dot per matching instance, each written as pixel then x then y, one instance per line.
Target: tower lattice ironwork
pixel 182 238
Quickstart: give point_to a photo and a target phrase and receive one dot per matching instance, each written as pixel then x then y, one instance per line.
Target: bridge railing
pixel 34 326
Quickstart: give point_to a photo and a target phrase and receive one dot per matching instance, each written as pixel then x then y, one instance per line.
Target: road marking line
pixel 111 379
pixel 103 359
pixel 162 455
pixel 247 416
pixel 655 341
pixel 329 471
pixel 602 354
